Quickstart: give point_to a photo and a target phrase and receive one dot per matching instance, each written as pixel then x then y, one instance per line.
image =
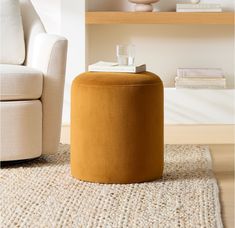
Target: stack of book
pixel 207 78
pixel 202 6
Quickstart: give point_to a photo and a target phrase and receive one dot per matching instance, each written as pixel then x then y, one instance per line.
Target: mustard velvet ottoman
pixel 117 127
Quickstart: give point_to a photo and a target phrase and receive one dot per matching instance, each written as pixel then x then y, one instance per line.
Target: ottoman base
pixel 117 128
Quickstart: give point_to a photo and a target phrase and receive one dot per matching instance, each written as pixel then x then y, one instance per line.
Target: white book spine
pixel 199 87
pixel 199 10
pixel 200 72
pixel 209 7
pixel 121 69
pixel 200 83
pixel 215 79
pixel 110 69
pixel 198 6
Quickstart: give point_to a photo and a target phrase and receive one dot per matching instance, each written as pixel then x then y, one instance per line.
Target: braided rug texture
pixel 41 193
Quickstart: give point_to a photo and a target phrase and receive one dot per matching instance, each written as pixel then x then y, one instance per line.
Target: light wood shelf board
pixel 116 17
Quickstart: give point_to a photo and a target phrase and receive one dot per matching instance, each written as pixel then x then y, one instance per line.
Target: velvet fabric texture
pixel 117 127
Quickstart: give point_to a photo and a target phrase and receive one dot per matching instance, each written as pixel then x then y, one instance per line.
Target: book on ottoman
pixel 102 66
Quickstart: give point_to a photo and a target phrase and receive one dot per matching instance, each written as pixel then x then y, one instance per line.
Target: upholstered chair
pixel 32 74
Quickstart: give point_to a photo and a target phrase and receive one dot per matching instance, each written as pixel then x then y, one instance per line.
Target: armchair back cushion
pixel 32 27
pixel 12 46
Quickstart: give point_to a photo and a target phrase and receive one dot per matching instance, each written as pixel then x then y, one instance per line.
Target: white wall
pixel 50 14
pixel 73 28
pixel 66 18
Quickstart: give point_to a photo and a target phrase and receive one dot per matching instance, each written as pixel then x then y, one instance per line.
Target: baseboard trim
pixel 199 134
pixel 185 134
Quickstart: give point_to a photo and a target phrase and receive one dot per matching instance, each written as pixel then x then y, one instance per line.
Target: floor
pixel 223 166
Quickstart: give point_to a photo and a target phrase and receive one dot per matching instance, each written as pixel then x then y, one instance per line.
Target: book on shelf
pixel 200 7
pixel 200 72
pixel 200 78
pixel 102 66
pixel 200 83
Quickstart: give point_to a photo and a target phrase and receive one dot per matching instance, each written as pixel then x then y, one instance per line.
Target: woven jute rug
pixel 41 193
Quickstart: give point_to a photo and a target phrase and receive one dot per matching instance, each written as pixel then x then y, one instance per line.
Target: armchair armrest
pixel 49 56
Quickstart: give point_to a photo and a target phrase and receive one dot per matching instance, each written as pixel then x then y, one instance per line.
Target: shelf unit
pixel 214 20
pixel 116 17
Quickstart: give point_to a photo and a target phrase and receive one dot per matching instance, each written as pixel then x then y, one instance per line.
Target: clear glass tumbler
pixel 125 54
pixel 131 54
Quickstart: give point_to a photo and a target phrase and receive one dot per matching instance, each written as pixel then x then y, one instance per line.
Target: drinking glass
pixel 125 54
pixel 131 54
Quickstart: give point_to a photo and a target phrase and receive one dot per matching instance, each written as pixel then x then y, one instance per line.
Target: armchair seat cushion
pixel 20 83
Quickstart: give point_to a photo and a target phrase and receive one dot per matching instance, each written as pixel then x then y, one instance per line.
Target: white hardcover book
pixel 199 10
pixel 226 5
pixel 198 6
pixel 200 2
pixel 200 73
pixel 200 83
pixel 199 87
pixel 201 7
pixel 200 80
pixel 102 66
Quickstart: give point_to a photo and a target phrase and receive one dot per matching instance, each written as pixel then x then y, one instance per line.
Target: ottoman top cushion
pixel 117 79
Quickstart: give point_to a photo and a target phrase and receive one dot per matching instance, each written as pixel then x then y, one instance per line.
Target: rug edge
pixel 216 192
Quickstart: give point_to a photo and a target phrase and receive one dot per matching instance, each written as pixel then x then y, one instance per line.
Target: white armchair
pixel 31 94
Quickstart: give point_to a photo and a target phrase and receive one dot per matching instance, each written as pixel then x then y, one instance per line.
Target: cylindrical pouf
pixel 117 127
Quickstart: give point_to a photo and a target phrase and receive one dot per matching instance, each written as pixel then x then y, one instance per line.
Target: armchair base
pixel 21 130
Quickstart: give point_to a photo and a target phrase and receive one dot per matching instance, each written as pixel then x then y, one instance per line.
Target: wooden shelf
pixel 115 17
